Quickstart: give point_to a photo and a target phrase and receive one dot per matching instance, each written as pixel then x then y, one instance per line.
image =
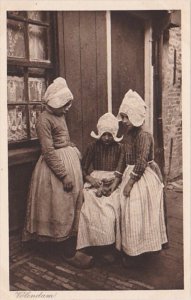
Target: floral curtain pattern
pixel 15 40
pixel 17 126
pixel 34 112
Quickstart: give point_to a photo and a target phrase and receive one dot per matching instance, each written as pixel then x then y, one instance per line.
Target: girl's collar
pixel 49 110
pixel 136 130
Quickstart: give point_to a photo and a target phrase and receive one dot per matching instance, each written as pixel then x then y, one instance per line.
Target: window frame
pixel 24 66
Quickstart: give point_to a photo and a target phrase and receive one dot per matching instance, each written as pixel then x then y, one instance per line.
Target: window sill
pixel 23 155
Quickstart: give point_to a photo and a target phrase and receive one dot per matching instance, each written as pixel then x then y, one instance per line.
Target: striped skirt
pixel 99 222
pixel 52 213
pixel 142 214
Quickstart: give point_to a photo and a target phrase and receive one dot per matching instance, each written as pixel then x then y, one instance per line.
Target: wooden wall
pixel 127 46
pixel 19 180
pixel 83 62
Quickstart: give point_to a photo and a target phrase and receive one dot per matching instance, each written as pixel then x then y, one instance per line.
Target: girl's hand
pixel 115 184
pixel 71 144
pixel 93 181
pixel 68 183
pixel 128 188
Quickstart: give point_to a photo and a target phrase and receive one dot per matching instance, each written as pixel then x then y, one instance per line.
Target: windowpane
pixel 38 43
pixel 37 15
pixel 37 87
pixel 15 39
pixel 17 123
pixel 15 89
pixel 34 112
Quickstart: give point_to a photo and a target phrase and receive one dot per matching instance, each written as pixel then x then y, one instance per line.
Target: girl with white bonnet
pixel 55 194
pixel 99 223
pixel 142 220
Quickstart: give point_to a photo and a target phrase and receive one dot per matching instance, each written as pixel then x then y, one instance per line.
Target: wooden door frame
pixel 148 83
pixel 148 73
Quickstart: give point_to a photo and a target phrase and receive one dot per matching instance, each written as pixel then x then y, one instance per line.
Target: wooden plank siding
pixel 19 180
pixel 82 53
pixel 101 62
pixel 60 33
pixel 127 44
pixel 88 73
pixel 72 66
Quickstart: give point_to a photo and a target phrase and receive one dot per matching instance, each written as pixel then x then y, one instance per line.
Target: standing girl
pixel 99 223
pixel 142 220
pixel 55 194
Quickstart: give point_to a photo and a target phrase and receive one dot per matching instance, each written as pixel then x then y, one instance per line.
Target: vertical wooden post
pixel 148 69
pixel 61 48
pixel 158 121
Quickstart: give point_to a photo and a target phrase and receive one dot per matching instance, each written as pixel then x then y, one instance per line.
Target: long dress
pixel 99 222
pixel 142 213
pixel 52 213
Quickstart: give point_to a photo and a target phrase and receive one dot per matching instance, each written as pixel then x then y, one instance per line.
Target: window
pixel 30 69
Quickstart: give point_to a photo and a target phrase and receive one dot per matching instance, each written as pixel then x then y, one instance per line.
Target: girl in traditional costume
pixel 55 195
pixel 142 207
pixel 99 223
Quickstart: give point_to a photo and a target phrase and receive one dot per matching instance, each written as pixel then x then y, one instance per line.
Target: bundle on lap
pixel 105 187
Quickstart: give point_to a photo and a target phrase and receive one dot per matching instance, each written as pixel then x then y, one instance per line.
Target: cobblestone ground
pixel 30 270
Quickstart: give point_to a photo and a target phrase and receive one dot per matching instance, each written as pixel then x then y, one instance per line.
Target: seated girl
pixel 100 213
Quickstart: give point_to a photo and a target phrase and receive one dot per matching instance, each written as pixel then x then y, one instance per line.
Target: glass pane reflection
pixel 37 87
pixel 15 89
pixel 38 43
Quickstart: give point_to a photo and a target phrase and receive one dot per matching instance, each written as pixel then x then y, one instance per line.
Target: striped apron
pixel 142 214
